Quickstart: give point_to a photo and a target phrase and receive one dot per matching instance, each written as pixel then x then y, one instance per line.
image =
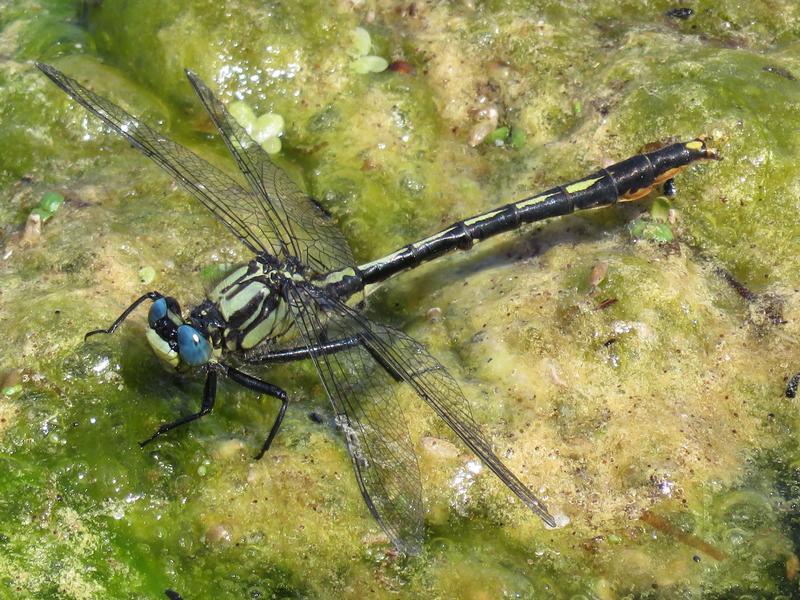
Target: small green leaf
pixel 517 138
pixel 369 64
pixel 12 389
pixel 498 136
pixel 660 209
pixel 242 113
pixel 147 275
pixel 362 43
pixel 648 230
pixel 268 125
pixel 271 145
pixel 43 214
pixel 51 201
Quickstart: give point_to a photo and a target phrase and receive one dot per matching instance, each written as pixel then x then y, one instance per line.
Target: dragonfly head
pixel 174 341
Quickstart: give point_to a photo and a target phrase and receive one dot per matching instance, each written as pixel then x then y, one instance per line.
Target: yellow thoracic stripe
pixel 230 305
pixel 266 326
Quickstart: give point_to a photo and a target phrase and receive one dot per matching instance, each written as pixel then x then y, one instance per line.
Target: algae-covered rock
pixel 629 364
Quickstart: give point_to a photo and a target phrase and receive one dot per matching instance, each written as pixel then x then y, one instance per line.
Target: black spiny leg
pixel 669 188
pixel 303 352
pixel 209 395
pixel 257 385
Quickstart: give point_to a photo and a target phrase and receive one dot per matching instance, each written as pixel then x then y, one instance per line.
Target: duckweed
pixel 363 62
pixel 645 229
pixel 369 64
pixel 265 129
pixel 147 275
pixel 498 136
pixel 361 41
pixel 659 211
pixel 48 205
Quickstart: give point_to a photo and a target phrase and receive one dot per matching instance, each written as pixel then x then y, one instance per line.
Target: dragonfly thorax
pixel 249 307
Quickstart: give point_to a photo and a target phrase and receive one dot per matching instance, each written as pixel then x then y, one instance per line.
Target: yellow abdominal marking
pixel 694 145
pixel 534 200
pixel 385 259
pixel 337 276
pixel 432 238
pixel 579 186
pixel 483 217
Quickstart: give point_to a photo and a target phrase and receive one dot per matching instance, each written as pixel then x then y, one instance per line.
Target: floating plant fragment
pixel 498 136
pixel 654 227
pixel 11 383
pixel 648 230
pixel 265 129
pixel 147 275
pixel 362 43
pixel 48 205
pixel 12 389
pixel 369 64
pixel 517 138
pixel 660 209
pixel 243 113
pixel 267 126
pixel 365 62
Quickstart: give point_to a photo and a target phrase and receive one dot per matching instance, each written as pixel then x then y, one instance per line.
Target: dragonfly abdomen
pixel 626 180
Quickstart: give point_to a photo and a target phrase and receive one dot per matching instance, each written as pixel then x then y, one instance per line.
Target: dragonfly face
pixel 175 342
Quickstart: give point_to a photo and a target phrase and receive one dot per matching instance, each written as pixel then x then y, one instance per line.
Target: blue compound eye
pixel 158 311
pixel 192 346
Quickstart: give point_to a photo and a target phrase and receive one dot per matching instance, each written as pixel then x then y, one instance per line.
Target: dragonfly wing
pixel 409 361
pixel 364 399
pixel 304 228
pixel 238 209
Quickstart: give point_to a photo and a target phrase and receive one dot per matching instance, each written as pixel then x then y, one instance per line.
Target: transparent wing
pixel 364 399
pixel 303 227
pixel 408 360
pixel 238 209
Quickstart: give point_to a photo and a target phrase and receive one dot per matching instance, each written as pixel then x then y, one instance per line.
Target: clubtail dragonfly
pixel 297 285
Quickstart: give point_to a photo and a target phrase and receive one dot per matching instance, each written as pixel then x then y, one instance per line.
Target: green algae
pixel 658 390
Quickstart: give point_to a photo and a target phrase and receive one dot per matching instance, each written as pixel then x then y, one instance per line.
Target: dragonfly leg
pixel 303 352
pixel 669 188
pixel 148 296
pixel 209 395
pixel 323 349
pixel 257 385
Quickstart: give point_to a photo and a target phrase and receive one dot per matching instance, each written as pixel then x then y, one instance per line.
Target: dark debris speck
pixel 683 12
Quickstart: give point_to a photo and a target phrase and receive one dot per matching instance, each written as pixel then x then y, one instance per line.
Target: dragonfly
pixel 292 301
